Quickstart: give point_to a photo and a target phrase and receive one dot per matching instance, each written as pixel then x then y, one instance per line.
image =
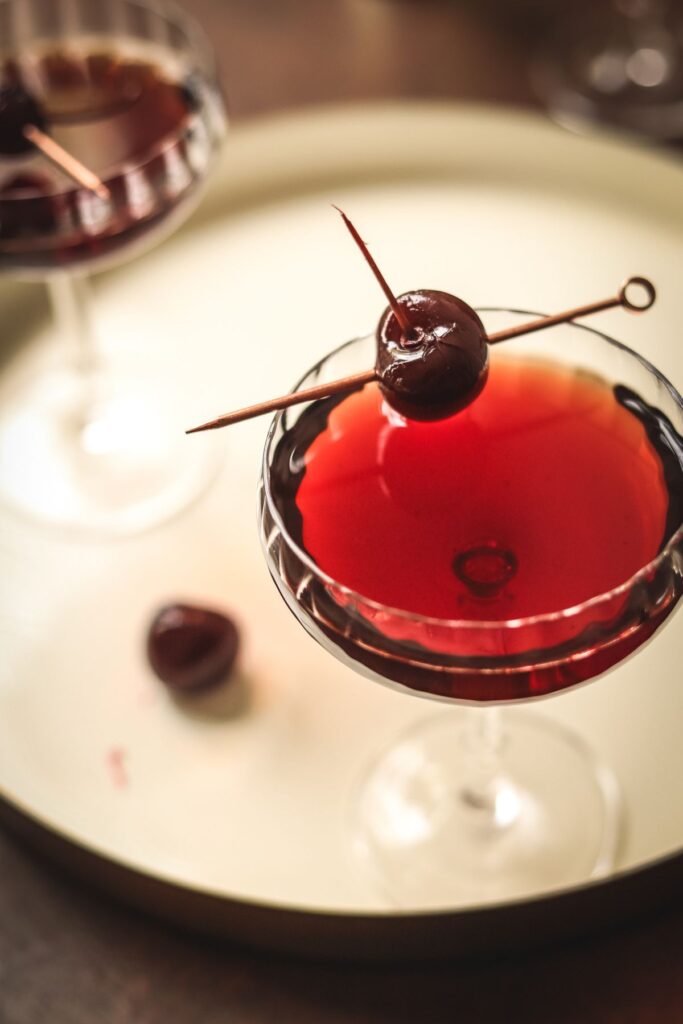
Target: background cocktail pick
pixel 23 124
pixel 66 162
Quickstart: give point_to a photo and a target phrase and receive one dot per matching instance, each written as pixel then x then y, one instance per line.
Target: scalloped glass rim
pixel 483 624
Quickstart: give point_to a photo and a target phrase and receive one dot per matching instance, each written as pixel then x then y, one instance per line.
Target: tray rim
pixel 526 924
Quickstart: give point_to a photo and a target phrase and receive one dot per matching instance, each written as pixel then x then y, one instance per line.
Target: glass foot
pixel 105 455
pixel 443 824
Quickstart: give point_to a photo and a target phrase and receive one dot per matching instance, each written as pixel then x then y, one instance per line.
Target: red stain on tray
pixel 116 763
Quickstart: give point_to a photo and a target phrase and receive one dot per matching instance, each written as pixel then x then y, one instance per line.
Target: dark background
pixel 68 956
pixel 283 53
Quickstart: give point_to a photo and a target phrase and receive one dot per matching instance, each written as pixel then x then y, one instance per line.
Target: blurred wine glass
pixel 129 88
pixel 616 62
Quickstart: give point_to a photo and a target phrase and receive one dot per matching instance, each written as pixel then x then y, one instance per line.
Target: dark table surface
pixel 69 955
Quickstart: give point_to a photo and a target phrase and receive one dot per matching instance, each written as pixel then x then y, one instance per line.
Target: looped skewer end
pixel 641 283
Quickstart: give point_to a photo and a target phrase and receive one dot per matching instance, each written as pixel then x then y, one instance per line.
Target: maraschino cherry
pixel 432 350
pixel 191 648
pixel 440 365
pixel 17 110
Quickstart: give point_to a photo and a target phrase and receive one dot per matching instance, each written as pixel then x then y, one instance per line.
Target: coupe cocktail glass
pixel 482 804
pixel 129 88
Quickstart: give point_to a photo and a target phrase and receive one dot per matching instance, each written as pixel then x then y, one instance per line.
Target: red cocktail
pixel 523 545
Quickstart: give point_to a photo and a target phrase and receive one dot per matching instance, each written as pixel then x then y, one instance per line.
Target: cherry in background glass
pixel 129 88
pixel 482 804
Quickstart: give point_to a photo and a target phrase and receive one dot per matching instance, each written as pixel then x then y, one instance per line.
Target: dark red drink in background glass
pixel 135 116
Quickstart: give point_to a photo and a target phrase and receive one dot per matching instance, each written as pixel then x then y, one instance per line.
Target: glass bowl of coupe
pixel 520 547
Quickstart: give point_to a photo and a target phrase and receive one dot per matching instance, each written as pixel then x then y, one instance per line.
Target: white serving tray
pixel 236 820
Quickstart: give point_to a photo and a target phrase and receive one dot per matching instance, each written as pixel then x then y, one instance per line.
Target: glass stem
pixel 71 298
pixel 484 737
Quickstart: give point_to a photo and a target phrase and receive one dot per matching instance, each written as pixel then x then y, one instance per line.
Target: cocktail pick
pixel 66 162
pixel 23 124
pixel 622 298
